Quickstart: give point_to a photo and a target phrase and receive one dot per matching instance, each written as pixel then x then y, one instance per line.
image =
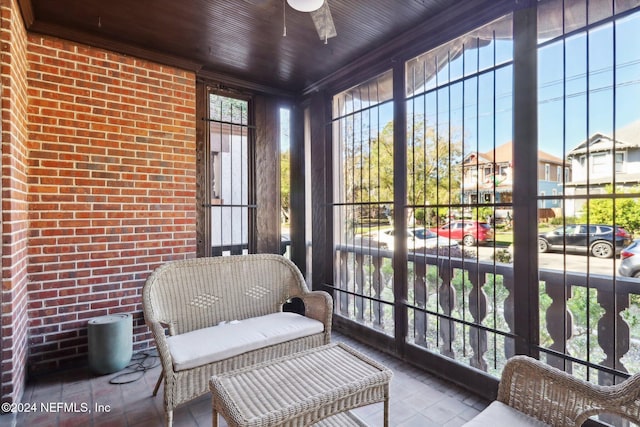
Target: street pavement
pixel 575 262
pixel 569 262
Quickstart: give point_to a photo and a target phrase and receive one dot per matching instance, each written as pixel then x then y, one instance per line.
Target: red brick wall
pixel 111 189
pixel 13 95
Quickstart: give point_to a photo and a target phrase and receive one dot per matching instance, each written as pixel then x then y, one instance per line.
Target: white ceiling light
pixel 305 5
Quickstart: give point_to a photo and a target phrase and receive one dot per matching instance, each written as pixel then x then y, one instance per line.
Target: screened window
pixel 588 83
pixel 458 299
pixel 363 202
pixel 232 208
pixel 460 124
pixel 285 181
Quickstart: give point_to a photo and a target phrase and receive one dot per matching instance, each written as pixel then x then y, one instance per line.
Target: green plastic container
pixel 110 343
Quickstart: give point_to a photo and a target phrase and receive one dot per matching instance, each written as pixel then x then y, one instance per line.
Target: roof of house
pixel 504 154
pixel 625 137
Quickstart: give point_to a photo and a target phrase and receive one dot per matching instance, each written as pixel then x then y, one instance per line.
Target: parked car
pixel 417 238
pixel 602 241
pixel 469 232
pixel 630 260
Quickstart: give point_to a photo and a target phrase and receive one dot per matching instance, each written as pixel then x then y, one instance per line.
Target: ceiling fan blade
pixel 323 21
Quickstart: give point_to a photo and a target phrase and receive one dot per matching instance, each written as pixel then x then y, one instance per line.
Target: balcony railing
pixel 462 308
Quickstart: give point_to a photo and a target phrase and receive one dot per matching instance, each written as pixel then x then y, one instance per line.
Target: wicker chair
pixel 534 393
pixel 191 295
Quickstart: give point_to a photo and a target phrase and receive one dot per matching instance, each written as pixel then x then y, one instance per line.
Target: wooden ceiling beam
pixel 26 9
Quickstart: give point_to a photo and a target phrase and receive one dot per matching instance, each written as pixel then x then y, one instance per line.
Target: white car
pixel 417 238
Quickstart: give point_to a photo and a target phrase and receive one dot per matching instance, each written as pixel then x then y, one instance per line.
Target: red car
pixel 469 232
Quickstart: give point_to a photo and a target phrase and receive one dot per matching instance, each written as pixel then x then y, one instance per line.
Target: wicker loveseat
pixel 532 393
pixel 212 315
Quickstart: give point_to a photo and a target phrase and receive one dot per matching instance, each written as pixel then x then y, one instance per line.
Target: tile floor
pixel 417 399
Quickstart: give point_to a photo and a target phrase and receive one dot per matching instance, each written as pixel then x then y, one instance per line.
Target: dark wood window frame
pixel 263 163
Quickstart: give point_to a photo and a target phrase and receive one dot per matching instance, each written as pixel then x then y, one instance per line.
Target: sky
pixel 595 89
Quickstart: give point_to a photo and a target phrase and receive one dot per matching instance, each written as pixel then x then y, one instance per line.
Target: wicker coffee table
pixel 301 389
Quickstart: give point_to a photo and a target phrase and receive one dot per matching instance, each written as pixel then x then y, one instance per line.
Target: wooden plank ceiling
pixel 242 39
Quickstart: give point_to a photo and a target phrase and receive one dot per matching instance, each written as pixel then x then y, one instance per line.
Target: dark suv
pixel 602 241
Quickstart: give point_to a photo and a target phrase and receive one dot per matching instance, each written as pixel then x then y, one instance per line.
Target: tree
pixel 627 210
pixel 432 175
pixel 231 110
pixel 285 182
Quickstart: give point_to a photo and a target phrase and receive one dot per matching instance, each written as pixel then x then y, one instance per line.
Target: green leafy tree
pixel 376 167
pixel 432 174
pixel 228 109
pixel 285 182
pixel 627 210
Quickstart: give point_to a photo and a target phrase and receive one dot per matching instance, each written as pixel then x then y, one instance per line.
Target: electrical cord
pixel 140 363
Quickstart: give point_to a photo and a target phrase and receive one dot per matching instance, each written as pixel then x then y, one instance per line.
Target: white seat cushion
pixel 500 415
pixel 204 346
